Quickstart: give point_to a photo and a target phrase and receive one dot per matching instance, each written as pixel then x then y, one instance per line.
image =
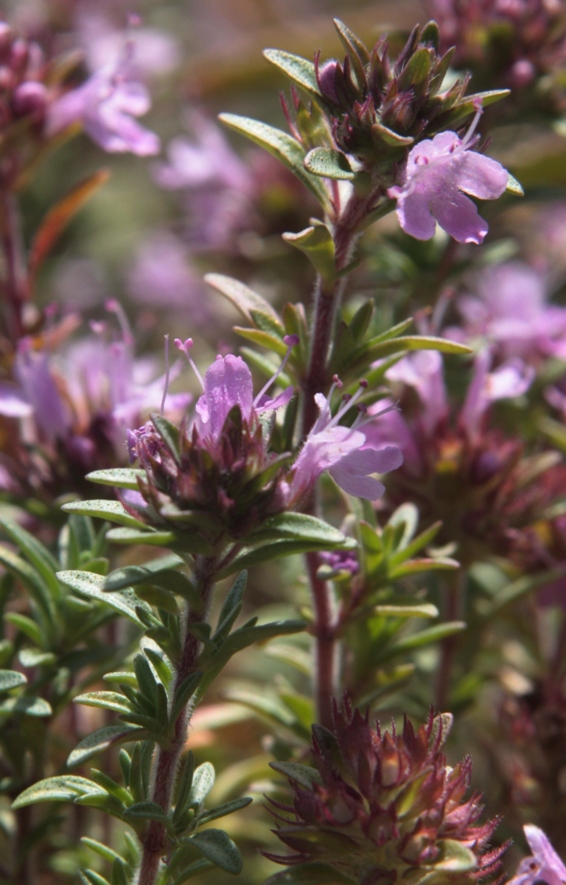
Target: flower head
pixel 221 477
pixel 385 807
pixel 440 172
pixel 74 407
pixel 511 311
pixel 224 467
pixel 106 105
pixel 462 470
pixel 543 866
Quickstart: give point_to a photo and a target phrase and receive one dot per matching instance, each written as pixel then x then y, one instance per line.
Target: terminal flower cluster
pixel 223 471
pixel 385 807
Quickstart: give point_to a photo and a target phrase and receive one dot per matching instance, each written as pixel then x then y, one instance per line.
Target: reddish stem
pixel 326 304
pixel 15 278
pixel 166 762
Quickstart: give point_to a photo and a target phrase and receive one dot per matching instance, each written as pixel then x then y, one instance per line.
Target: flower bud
pixel 29 98
pixel 386 808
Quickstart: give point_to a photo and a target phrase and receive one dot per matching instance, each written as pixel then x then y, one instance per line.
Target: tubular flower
pixel 440 172
pixel 543 866
pixel 382 807
pixel 343 452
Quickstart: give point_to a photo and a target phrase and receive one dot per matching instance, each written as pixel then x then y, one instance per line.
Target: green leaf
pixel 129 575
pixel 118 477
pixel 300 526
pixel 357 52
pixel 425 564
pixel 309 874
pixel 455 857
pixel 423 637
pixel 299 70
pixel 282 146
pixel 113 511
pixel 242 297
pixel 192 543
pixel 65 787
pixel 146 811
pixel 34 657
pixel 11 679
pixel 26 705
pixel 89 877
pixel 318 245
pixel 389 136
pixel 217 847
pixel 231 607
pixel 276 549
pixel 169 432
pixel 108 700
pixel 269 707
pixel 202 783
pixel 90 585
pixel 414 342
pixel 303 775
pixel 192 870
pixel 466 107
pixel 34 584
pixel 38 555
pixel 225 809
pixel 514 187
pixel 423 610
pixel 100 740
pixel 100 849
pixel 242 638
pixel 328 163
pixel 26 625
pixel 183 694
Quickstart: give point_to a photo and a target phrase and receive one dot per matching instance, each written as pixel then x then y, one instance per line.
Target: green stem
pixel 166 761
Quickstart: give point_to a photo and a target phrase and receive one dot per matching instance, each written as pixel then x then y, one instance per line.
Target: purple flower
pixel 543 866
pixel 510 379
pixel 36 393
pixel 217 186
pixel 105 106
pixel 511 311
pixel 161 275
pixel 438 175
pixel 227 383
pixel 343 452
pixel 422 371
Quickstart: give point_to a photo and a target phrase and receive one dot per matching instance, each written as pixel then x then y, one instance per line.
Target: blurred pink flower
pixel 106 105
pixel 510 309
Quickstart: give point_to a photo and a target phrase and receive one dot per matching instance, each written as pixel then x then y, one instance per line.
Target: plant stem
pixel 15 280
pixel 327 300
pixel 166 761
pixel 449 646
pixel 325 651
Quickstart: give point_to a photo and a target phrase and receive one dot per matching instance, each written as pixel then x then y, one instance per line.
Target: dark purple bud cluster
pixel 23 92
pixel 509 42
pixel 379 105
pixel 216 487
pixel 384 807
